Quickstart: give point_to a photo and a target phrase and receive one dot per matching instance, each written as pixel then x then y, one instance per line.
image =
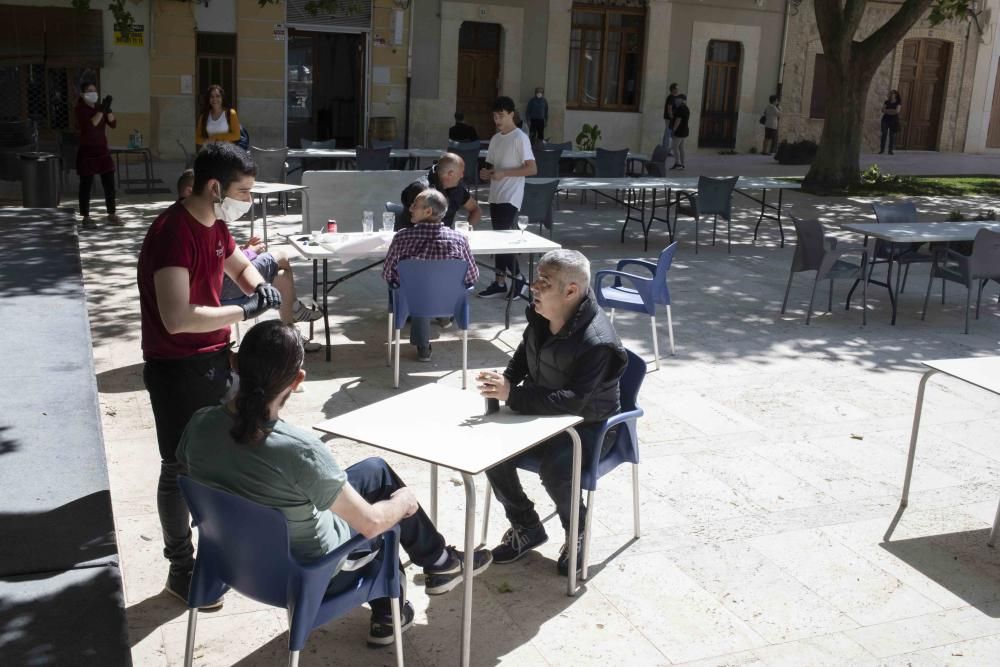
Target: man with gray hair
pixel 446 176
pixel 569 362
pixel 427 239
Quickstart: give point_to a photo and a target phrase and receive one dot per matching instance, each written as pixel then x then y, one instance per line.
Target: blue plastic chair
pixel 624 450
pixel 244 546
pixel 430 288
pixel 640 295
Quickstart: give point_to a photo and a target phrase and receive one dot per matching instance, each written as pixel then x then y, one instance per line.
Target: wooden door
pixel 993 134
pixel 720 99
pixel 922 81
pixel 478 75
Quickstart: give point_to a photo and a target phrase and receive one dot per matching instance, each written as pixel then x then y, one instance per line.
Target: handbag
pixel 244 140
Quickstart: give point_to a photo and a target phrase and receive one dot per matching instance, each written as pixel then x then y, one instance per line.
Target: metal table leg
pixel 917 412
pixel 470 545
pixel 326 311
pixel 434 494
pixel 263 217
pixel 574 515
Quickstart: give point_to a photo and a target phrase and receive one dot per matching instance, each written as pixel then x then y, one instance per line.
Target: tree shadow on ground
pixel 121 380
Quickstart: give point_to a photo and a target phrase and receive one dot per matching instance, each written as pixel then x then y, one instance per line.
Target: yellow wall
pixel 389 99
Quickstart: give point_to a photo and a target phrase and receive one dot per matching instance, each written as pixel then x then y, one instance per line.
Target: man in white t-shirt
pixel 509 159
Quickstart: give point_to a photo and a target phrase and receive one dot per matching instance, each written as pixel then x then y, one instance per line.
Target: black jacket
pixel 574 371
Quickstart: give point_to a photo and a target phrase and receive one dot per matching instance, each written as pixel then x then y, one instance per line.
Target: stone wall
pixel 804 44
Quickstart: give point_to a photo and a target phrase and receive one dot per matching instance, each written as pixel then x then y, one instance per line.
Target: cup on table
pixel 367 222
pixel 463 227
pixel 388 221
pixel 522 224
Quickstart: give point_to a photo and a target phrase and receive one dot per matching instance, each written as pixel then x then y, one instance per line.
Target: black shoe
pixel 440 580
pixel 493 291
pixel 891 153
pixel 881 151
pixel 445 322
pixel 380 631
pixel 516 542
pixel 178 586
pixel 562 565
pixel 424 353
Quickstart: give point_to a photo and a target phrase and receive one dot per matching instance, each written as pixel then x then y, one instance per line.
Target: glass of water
pixel 367 222
pixel 463 227
pixel 522 224
pixel 388 221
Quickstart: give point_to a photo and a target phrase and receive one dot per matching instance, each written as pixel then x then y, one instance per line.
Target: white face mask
pixel 538 95
pixel 230 209
pixel 90 97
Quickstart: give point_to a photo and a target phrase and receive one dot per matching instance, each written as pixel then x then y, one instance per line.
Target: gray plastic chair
pixel 609 164
pixel 537 204
pixel 982 265
pixel 272 166
pixel 814 251
pixel 547 161
pixel 469 152
pixel 903 253
pixel 657 165
pixel 714 198
pixel 373 159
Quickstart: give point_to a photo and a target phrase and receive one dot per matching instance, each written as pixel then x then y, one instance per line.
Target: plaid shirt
pixel 428 241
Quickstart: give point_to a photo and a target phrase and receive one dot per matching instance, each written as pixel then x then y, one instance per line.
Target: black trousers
pixel 87 184
pixel 889 130
pixel 504 216
pixel 537 129
pixel 556 472
pixel 177 388
pixel 374 480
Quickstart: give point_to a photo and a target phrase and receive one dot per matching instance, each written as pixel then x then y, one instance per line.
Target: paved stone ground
pixel 773 455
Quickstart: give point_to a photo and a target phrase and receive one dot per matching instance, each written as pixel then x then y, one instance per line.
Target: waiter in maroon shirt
pixel 185 329
pixel 93 158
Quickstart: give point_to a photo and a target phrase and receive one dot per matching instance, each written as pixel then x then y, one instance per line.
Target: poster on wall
pixel 136 37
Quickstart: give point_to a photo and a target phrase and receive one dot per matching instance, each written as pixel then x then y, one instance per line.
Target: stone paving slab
pixel 773 456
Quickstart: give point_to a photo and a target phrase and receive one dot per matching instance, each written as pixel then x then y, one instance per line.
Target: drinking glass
pixel 522 224
pixel 388 221
pixel 463 226
pixel 368 222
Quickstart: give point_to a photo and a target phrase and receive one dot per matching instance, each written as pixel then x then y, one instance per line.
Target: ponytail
pixel 268 361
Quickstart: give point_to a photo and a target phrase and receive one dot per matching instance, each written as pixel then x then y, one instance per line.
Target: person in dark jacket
pixel 446 175
pixel 461 131
pixel 569 362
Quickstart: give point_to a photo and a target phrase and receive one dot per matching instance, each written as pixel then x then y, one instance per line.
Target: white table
pixel 454 433
pixel 261 190
pixel 982 372
pixel 916 232
pixel 481 242
pixel 350 154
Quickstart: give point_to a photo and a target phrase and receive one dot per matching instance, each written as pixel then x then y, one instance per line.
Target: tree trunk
pixel 837 163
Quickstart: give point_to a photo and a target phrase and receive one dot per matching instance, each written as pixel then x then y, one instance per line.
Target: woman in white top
pixel 216 123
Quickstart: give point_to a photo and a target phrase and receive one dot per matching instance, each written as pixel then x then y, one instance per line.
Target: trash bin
pixel 39 180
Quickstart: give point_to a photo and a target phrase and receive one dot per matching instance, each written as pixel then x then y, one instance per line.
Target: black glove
pixel 106 105
pixel 264 298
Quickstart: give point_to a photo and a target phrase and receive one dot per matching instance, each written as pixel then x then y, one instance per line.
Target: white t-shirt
pixel 509 151
pixel 219 126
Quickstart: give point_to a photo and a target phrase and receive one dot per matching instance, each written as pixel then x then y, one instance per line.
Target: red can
pixel 331 226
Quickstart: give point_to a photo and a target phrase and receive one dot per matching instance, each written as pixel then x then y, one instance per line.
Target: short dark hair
pixel 223 162
pixel 673 86
pixel 186 179
pixel 459 116
pixel 503 103
pixel 772 99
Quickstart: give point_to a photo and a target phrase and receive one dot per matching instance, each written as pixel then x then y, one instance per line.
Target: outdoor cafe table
pixel 982 372
pixel 341 155
pixel 445 426
pixel 359 246
pixel 636 205
pixel 916 232
pixel 261 190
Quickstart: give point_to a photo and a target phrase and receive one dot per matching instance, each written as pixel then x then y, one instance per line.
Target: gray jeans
pixel 677 148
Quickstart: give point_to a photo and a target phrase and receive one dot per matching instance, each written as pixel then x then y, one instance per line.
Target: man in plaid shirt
pixel 427 239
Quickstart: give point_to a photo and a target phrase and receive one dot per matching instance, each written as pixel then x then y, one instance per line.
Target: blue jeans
pixel 556 471
pixel 667 135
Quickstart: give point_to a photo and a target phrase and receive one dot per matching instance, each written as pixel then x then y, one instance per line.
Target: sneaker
pixel 440 580
pixel 178 586
pixel 445 322
pixel 309 345
pixel 676 166
pixel 521 289
pixel 562 565
pixel 88 223
pixel 380 631
pixel 494 290
pixel 424 353
pixel 303 313
pixel 516 542
pixel 113 219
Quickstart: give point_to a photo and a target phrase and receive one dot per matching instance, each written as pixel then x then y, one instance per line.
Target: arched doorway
pixel 923 78
pixel 721 95
pixel 478 74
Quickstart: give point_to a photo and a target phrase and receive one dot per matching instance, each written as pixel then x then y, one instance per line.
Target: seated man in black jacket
pixel 445 176
pixel 569 362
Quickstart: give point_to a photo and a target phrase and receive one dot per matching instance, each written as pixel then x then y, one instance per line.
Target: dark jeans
pixel 177 388
pixel 374 480
pixel 504 216
pixel 556 471
pixel 537 128
pixel 889 130
pixel 87 184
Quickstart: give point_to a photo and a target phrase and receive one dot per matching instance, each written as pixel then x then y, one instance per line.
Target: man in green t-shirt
pixel 244 448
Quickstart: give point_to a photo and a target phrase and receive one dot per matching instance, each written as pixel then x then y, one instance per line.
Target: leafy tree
pixel 851 66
